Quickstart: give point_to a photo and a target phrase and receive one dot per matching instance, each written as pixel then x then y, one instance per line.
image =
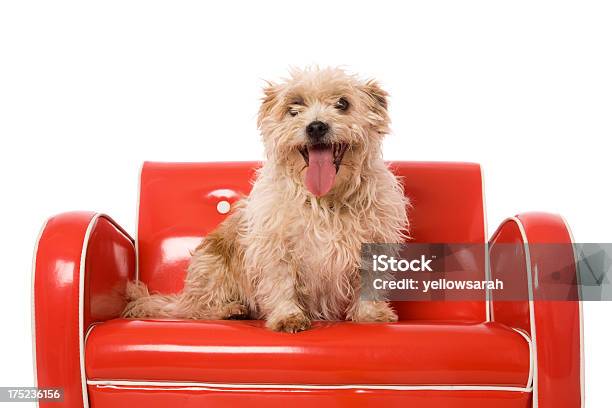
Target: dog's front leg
pixel 372 311
pixel 278 300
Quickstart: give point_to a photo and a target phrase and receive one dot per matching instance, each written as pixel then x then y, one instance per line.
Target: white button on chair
pixel 223 206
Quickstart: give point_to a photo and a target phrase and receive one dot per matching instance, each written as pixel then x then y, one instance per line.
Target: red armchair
pixel 477 353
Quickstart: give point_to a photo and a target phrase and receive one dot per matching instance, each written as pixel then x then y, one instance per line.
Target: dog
pixel 290 251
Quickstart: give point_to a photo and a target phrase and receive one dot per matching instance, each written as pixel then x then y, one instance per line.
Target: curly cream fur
pixel 285 255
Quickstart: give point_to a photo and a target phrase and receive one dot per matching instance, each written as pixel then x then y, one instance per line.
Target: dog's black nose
pixel 316 130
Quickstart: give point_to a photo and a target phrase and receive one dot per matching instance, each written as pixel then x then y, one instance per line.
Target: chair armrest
pixel 542 253
pixel 81 265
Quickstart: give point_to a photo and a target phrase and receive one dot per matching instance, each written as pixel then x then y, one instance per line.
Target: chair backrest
pixel 182 202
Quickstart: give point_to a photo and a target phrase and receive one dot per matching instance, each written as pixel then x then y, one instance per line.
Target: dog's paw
pixel 292 323
pixel 236 311
pixel 374 312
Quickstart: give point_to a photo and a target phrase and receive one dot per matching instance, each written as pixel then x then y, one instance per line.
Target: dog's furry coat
pixel 286 254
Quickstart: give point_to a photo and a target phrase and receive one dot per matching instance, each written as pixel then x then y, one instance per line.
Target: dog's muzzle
pixel 323 162
pixel 316 131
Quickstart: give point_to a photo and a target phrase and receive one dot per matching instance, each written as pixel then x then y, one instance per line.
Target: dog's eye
pixel 293 112
pixel 342 104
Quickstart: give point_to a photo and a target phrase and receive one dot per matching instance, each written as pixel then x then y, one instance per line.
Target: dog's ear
pixel 377 96
pixel 376 99
pixel 271 92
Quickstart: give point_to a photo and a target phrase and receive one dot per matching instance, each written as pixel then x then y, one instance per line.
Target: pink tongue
pixel 321 171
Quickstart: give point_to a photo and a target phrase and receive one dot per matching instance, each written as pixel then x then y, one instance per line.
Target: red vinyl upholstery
pixel 554 326
pixel 440 354
pixel 81 264
pixel 330 353
pixel 178 206
pixel 197 397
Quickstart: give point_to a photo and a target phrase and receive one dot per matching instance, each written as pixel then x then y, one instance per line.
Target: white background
pixel 88 90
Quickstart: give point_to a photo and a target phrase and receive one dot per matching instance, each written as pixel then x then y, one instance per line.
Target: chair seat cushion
pixel 334 353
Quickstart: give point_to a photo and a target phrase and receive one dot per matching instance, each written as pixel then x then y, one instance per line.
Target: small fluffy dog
pixel 290 252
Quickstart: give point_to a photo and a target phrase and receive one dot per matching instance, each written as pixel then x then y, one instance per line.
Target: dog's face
pixel 322 126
